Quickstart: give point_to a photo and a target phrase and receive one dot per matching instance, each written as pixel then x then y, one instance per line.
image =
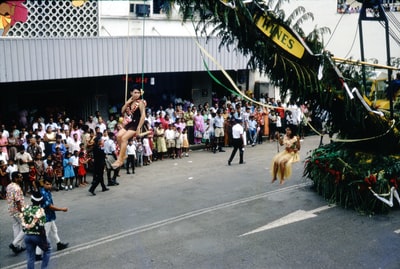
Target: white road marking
pixel 397 231
pixel 159 224
pixel 296 216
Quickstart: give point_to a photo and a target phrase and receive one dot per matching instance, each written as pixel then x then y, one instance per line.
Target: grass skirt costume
pixel 288 156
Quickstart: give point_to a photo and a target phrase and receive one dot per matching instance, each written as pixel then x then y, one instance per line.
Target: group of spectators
pixel 55 154
pixel 61 148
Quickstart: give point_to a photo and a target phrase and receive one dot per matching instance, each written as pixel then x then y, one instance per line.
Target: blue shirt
pixel 46 202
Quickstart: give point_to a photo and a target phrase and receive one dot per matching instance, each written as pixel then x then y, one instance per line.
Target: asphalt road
pixel 198 212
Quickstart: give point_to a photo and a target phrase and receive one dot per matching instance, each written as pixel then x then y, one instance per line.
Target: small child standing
pixel 58 173
pixel 75 164
pixel 178 142
pixel 147 153
pixel 82 169
pixel 32 178
pixel 68 171
pixel 139 152
pixel 185 142
pixel 39 166
pixel 207 135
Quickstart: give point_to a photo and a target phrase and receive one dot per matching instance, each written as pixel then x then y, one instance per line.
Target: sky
pixel 344 40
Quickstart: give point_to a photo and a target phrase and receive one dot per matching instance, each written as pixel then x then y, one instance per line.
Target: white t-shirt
pixel 237 130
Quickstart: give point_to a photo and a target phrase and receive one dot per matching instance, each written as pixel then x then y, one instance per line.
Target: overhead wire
pixel 143 43
pixel 128 44
pixel 336 26
pixel 396 24
pixel 352 44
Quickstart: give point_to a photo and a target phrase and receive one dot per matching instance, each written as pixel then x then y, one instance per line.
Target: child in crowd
pixel 68 171
pixel 178 142
pixel 170 140
pixel 139 152
pixel 185 142
pixel 75 164
pixel 207 135
pixel 58 174
pixel 39 167
pixel 82 169
pixel 32 178
pixel 147 153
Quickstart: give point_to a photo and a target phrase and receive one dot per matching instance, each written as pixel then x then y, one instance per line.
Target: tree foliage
pixel 233 22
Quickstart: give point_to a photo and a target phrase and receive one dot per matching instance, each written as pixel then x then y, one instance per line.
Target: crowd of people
pixel 61 149
pixel 56 153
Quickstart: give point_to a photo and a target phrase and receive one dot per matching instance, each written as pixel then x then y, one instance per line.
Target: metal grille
pixel 48 19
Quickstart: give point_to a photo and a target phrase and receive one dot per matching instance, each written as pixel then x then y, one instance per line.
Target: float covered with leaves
pixel 339 170
pixel 350 178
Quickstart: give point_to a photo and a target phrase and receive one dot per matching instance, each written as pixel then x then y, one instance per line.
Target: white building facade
pixel 98 49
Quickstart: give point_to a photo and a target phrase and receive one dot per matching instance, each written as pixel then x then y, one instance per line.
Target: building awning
pixel 65 58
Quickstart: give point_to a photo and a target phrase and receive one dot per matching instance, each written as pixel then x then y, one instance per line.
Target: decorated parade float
pixel 360 167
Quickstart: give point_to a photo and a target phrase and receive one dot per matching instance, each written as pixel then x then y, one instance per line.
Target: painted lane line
pixel 158 224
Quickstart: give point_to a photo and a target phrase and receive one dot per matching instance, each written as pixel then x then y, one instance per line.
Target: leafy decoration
pixel 341 172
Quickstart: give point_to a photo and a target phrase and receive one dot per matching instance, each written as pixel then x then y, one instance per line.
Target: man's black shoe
pixel 61 246
pixel 105 189
pixel 92 192
pixel 111 184
pixel 221 150
pixel 13 248
pixel 229 162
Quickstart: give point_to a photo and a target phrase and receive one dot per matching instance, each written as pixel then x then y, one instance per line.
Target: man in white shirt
pixel 131 152
pixel 5 133
pixel 219 131
pixel 52 124
pixel 237 142
pixel 110 149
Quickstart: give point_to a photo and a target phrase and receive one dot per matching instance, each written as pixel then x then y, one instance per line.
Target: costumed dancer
pixel 137 107
pixel 282 162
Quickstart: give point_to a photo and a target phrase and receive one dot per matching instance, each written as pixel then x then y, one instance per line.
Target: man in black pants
pixel 99 162
pixel 237 141
pixel 110 149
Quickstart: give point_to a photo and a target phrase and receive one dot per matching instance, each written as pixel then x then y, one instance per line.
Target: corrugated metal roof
pixel 63 58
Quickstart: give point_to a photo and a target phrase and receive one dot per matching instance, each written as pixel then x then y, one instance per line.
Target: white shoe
pixel 70 187
pixel 66 188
